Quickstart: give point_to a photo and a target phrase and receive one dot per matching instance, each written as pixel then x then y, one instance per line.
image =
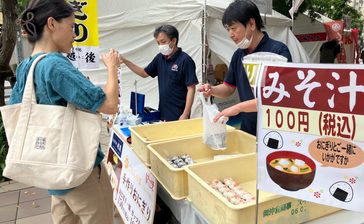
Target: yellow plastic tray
pixel 174 180
pixel 142 135
pixel 273 209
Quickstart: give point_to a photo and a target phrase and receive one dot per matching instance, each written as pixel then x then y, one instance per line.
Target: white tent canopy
pixel 277 26
pixel 303 25
pixel 128 26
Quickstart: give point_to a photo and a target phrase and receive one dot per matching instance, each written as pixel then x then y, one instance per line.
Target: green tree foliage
pixel 334 9
pixel 22 4
pixel 283 6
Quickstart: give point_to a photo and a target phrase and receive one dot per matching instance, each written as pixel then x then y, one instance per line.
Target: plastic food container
pixel 143 135
pixel 273 209
pixel 174 180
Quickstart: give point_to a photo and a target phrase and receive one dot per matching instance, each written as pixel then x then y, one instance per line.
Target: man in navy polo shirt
pixel 176 73
pixel 244 24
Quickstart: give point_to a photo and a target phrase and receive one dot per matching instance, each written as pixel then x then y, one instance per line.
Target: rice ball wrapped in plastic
pixel 235 200
pixel 247 197
pixel 228 193
pixel 223 188
pixel 230 183
pixel 215 183
pixel 240 191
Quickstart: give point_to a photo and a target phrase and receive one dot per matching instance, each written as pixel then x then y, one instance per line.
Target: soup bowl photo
pixel 292 171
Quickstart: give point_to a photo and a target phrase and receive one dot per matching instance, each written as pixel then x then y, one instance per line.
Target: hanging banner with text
pixel 309 133
pixel 85 52
pixel 136 191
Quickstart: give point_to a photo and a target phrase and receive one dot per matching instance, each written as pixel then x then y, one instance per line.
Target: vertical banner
pixel 252 70
pixel 310 138
pixel 120 106
pixel 85 52
pixel 355 36
pixel 334 30
pixel 295 5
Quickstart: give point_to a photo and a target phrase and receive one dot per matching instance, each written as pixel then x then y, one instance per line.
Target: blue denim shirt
pixel 57 82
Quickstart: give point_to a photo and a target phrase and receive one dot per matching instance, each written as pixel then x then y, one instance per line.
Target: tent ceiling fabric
pixel 154 15
pixel 128 26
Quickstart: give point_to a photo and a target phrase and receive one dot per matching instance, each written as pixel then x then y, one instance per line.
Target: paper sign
pixel 117 144
pixel 85 52
pixel 310 143
pixel 135 197
pixel 336 152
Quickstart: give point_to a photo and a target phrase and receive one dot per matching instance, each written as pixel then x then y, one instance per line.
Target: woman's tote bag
pixel 50 147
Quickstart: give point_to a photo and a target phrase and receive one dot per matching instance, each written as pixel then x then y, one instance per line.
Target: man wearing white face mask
pixel 176 73
pixel 243 22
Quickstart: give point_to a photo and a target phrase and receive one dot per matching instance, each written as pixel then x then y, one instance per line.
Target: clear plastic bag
pixel 214 134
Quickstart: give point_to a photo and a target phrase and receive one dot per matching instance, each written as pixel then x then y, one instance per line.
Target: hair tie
pixel 28 24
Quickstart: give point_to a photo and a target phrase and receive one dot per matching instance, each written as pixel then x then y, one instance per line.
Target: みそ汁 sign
pixel 309 141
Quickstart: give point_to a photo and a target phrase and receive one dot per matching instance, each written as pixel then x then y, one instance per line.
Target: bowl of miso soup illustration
pixel 292 171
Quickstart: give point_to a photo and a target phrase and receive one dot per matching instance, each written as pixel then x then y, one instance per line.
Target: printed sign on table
pixel 85 52
pixel 135 195
pixel 310 142
pixel 117 144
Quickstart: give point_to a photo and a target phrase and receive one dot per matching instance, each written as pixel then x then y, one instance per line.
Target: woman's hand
pixel 111 59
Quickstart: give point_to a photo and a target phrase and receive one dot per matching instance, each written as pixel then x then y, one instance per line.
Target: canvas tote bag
pixel 50 147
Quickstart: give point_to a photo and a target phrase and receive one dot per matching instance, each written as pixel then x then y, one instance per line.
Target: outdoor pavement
pixel 22 204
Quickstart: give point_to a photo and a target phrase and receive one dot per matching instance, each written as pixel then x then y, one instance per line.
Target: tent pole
pixel 293 3
pixel 204 44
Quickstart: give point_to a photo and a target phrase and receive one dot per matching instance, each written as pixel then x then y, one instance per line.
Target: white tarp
pixel 128 26
pixel 277 26
pixel 304 25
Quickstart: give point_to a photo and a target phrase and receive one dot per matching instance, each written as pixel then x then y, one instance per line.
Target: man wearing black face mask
pixel 243 22
pixel 176 73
